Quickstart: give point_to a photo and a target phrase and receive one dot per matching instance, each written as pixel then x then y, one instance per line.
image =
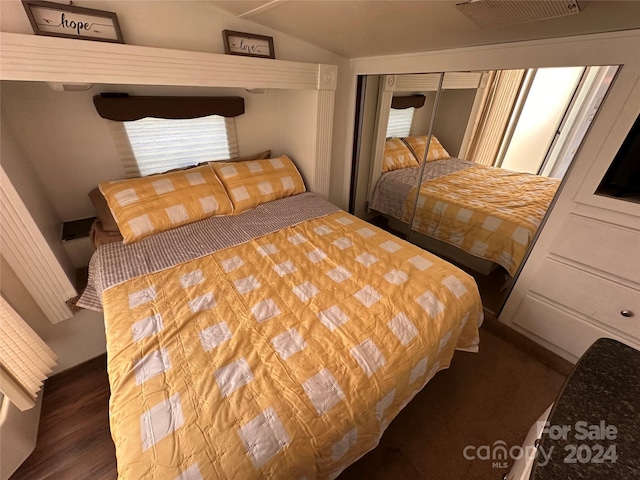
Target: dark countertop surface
pixel 594 426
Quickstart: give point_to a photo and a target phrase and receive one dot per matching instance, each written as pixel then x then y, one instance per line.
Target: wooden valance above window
pixel 124 108
pixel 407 101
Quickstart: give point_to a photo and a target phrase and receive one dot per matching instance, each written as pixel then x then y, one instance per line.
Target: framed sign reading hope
pixel 57 20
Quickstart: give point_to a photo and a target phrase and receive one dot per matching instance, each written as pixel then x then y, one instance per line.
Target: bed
pixel 274 342
pixel 488 212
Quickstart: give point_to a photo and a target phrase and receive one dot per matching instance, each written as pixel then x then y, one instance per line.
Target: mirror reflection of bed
pixel 497 145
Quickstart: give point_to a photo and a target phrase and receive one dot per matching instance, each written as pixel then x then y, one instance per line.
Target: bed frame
pixel 445 250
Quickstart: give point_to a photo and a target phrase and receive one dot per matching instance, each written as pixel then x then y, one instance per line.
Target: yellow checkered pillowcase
pixel 436 150
pixel 258 181
pixel 157 203
pixel 397 155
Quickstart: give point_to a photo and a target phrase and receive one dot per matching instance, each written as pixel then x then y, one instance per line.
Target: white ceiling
pixel 361 28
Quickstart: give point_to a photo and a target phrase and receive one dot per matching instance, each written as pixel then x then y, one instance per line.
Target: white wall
pixel 32 191
pixel 422 117
pixel 301 108
pixel 452 118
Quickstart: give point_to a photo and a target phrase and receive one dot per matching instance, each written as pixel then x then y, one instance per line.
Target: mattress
pixel 278 343
pixel 488 212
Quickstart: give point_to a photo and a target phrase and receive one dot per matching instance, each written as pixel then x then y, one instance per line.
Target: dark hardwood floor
pixel 74 441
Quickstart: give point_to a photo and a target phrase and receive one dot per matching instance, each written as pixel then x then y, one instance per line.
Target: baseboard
pixel 528 346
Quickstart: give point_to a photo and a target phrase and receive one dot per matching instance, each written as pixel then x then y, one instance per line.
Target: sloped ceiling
pixel 364 28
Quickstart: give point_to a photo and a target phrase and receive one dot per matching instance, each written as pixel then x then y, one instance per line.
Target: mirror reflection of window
pixel 400 122
pixel 534 120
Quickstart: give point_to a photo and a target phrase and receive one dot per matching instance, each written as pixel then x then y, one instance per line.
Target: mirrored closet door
pixel 466 164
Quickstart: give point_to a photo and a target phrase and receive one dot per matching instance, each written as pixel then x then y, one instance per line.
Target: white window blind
pixel 154 145
pixel 30 255
pixel 502 93
pixel 25 360
pixel 400 122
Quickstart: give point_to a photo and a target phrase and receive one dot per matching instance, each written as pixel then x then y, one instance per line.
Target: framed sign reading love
pixel 248 44
pixel 57 20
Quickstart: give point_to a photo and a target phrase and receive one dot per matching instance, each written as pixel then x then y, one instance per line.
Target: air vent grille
pixel 500 13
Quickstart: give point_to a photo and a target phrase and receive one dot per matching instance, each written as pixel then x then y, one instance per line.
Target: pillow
pixel 254 182
pixel 102 211
pixel 99 236
pixel 436 150
pixel 397 155
pixel 157 203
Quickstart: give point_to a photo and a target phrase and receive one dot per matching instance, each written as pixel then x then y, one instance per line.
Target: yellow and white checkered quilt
pixel 283 357
pixel 486 211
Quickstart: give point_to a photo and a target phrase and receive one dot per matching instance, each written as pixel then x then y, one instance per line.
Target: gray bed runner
pixel 115 263
pixel 393 188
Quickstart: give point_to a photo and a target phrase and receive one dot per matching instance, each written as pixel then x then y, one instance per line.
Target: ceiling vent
pixel 500 13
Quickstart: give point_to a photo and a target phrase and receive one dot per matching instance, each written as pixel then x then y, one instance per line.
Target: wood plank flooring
pixel 74 441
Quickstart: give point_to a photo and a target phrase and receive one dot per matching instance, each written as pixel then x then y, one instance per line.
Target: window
pixel 400 122
pixel 155 145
